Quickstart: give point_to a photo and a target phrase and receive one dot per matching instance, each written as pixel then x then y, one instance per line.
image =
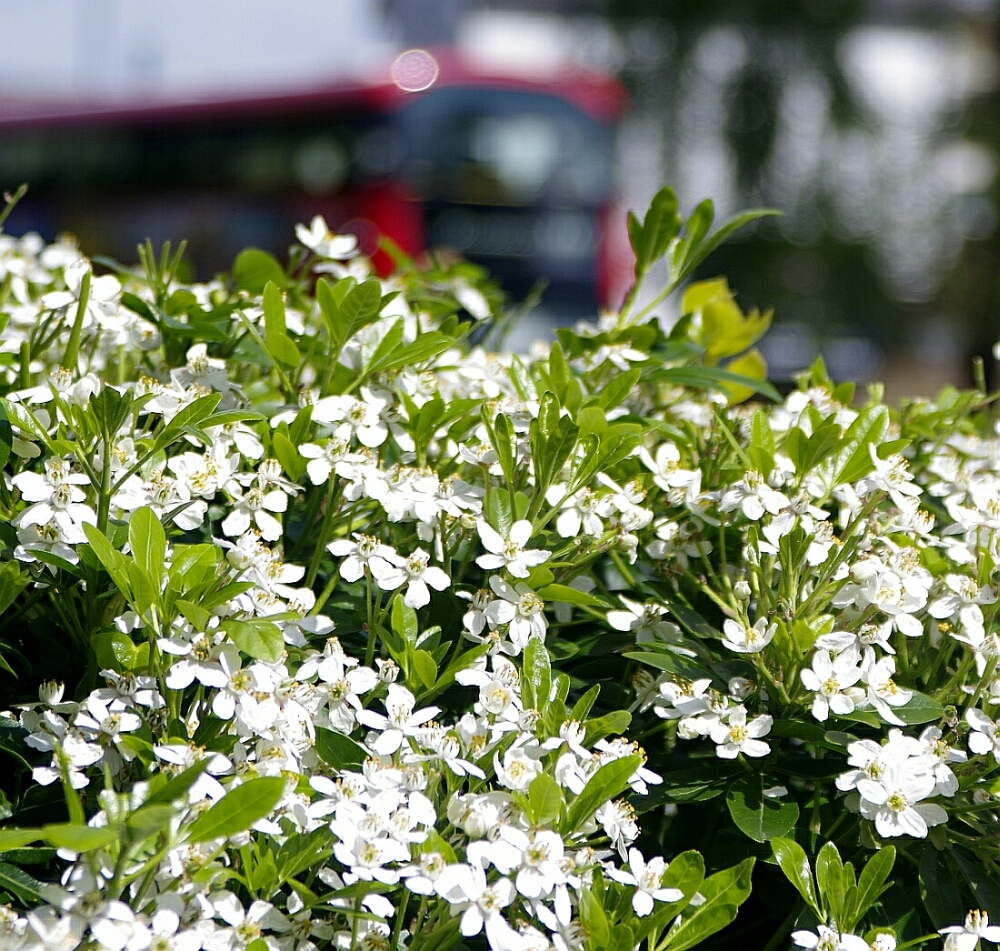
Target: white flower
pixel 893 801
pixel 963 601
pixel 734 735
pixel 829 939
pixel 747 640
pixel 324 243
pixel 367 553
pixel 401 722
pixel 518 769
pixel 645 621
pixel 509 552
pixel 584 509
pixel 647 877
pixel 254 505
pixel 415 572
pixel 486 904
pixel 966 937
pixel 753 496
pixel 828 679
pixel 518 607
pixel 883 692
pixel 985 735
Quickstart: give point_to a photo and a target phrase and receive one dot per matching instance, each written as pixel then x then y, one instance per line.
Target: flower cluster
pixel 362 624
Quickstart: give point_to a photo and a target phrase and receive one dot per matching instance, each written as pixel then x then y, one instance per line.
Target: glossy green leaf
pixel 238 809
pixel 938 888
pixel 919 709
pixel 758 816
pixel 253 269
pixel 723 894
pixel 19 884
pixel 793 862
pixel 339 751
pixel 830 881
pixel 545 800
pixel 78 838
pixel 260 639
pixel 148 542
pixel 853 461
pixel 536 678
pixel 113 650
pixel 872 883
pixel 609 781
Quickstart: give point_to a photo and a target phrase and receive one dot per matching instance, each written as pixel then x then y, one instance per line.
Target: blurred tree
pixel 828 277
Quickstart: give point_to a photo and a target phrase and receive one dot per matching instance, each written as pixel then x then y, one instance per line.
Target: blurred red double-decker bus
pixel 514 172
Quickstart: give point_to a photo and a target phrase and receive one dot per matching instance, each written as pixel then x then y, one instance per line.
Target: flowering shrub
pixel 349 630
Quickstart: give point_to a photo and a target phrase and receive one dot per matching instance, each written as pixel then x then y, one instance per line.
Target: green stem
pixel 324 530
pixel 398 925
pixel 72 354
pixel 370 648
pixel 325 595
pixel 104 501
pixel 25 380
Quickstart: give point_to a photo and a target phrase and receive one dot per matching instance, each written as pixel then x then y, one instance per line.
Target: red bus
pixel 510 171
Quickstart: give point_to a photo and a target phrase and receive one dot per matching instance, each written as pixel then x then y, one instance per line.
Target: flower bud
pixel 388 671
pixel 740 688
pixel 528 720
pixel 51 692
pixel 742 590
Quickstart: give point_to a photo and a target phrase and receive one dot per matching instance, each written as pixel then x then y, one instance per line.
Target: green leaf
pixel 793 862
pixel 536 682
pixel 564 594
pixel 713 378
pixel 582 706
pixel 872 881
pixel 660 226
pixel 830 881
pixel 253 269
pixel 686 872
pixel 422 663
pixel 238 809
pixel 693 256
pixel 112 560
pixel 6 437
pixel 618 389
pixel 404 621
pixel 723 892
pixel 113 650
pixel 595 921
pixel 758 816
pixel 761 450
pixel 20 884
pixel 149 820
pixel 670 661
pixel 545 800
pixel 854 461
pixel 284 350
pixel 78 838
pixel 339 751
pixel 274 310
pixel 194 413
pixel 613 723
pixel 177 788
pixel 603 786
pixel 299 852
pixel 262 640
pixel 938 888
pixel 149 545
pixel 919 709
pixel 16 838
pixel 359 306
